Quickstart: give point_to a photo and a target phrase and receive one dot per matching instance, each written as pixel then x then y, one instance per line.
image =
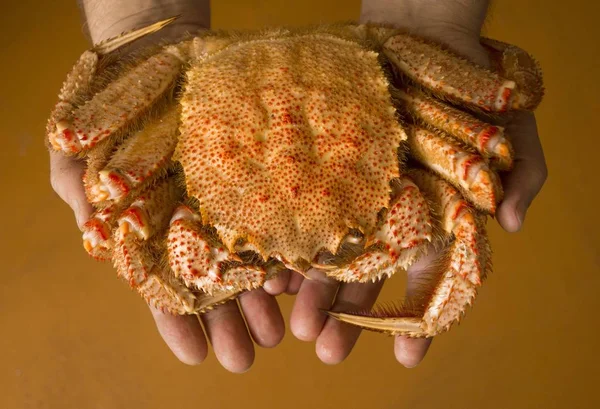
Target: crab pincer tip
pixel 64 138
pixel 112 186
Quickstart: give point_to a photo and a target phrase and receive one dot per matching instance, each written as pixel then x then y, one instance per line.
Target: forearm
pixel 456 23
pixel 465 15
pixel 108 18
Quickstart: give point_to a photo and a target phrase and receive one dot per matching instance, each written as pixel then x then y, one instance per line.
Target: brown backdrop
pixel 73 336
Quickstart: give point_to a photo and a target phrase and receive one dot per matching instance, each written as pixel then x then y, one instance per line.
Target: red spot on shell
pixel 68 134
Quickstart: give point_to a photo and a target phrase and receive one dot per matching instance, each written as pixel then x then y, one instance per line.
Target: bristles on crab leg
pixel 459 270
pixel 138 160
pixel 466 262
pixel 60 133
pixel 464 169
pixel 488 139
pixel 96 159
pixel 134 256
pixel 449 75
pixel 78 81
pixel 128 37
pixel 164 292
pixel 125 100
pixel 146 217
pixel 97 238
pixel 150 212
pixel 388 325
pixel 403 237
pixel 202 262
pixel 518 65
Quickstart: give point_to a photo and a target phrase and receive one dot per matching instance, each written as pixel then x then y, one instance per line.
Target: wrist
pixel 455 23
pixel 108 18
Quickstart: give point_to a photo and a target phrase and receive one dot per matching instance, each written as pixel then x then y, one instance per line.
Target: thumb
pixel 525 181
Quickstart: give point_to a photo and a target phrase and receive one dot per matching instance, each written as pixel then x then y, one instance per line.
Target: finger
pixel 183 335
pixel 315 294
pixel 66 178
pixel 525 181
pixel 294 283
pixel 277 285
pixel 263 317
pixel 337 339
pixel 411 351
pixel 229 337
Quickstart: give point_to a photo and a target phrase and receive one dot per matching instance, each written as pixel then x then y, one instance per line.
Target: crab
pixel 216 162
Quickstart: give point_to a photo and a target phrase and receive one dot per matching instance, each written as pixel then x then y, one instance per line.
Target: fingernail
pixel 268 286
pixel 521 212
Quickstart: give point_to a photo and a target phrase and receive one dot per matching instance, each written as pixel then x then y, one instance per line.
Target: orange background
pixel 73 336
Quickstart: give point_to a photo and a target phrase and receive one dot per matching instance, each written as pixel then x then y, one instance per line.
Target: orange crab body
pixel 221 160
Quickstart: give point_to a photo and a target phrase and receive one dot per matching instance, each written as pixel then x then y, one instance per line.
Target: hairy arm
pixel 454 22
pixel 108 18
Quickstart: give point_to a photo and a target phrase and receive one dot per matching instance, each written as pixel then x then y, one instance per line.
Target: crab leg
pixel 96 159
pixel 110 112
pixel 139 231
pixel 515 63
pixel 488 139
pixel 464 169
pixel 97 238
pixel 450 75
pixel 145 218
pixel 461 268
pixel 401 239
pixel 59 129
pixel 74 88
pixel 202 262
pixel 137 161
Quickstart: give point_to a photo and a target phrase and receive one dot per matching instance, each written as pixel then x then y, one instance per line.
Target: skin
pixel 455 22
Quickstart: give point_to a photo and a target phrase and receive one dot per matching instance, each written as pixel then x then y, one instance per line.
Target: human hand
pixel 458 26
pixel 231 337
pixel 224 326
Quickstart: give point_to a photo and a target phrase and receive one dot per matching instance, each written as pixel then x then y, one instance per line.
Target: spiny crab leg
pixel 140 226
pixel 109 113
pixel 489 140
pixel 136 260
pixel 518 65
pixel 77 84
pixel 146 218
pixel 404 236
pixel 202 262
pixel 72 92
pixel 97 237
pixel 461 268
pixel 137 161
pixel 449 75
pixel 463 168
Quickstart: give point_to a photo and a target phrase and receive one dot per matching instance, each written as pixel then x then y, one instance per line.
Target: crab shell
pixel 293 150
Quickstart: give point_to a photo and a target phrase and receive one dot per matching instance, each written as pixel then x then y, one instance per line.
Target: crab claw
pixel 97 239
pixel 202 262
pixel 62 138
pixel 452 280
pixel 112 186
